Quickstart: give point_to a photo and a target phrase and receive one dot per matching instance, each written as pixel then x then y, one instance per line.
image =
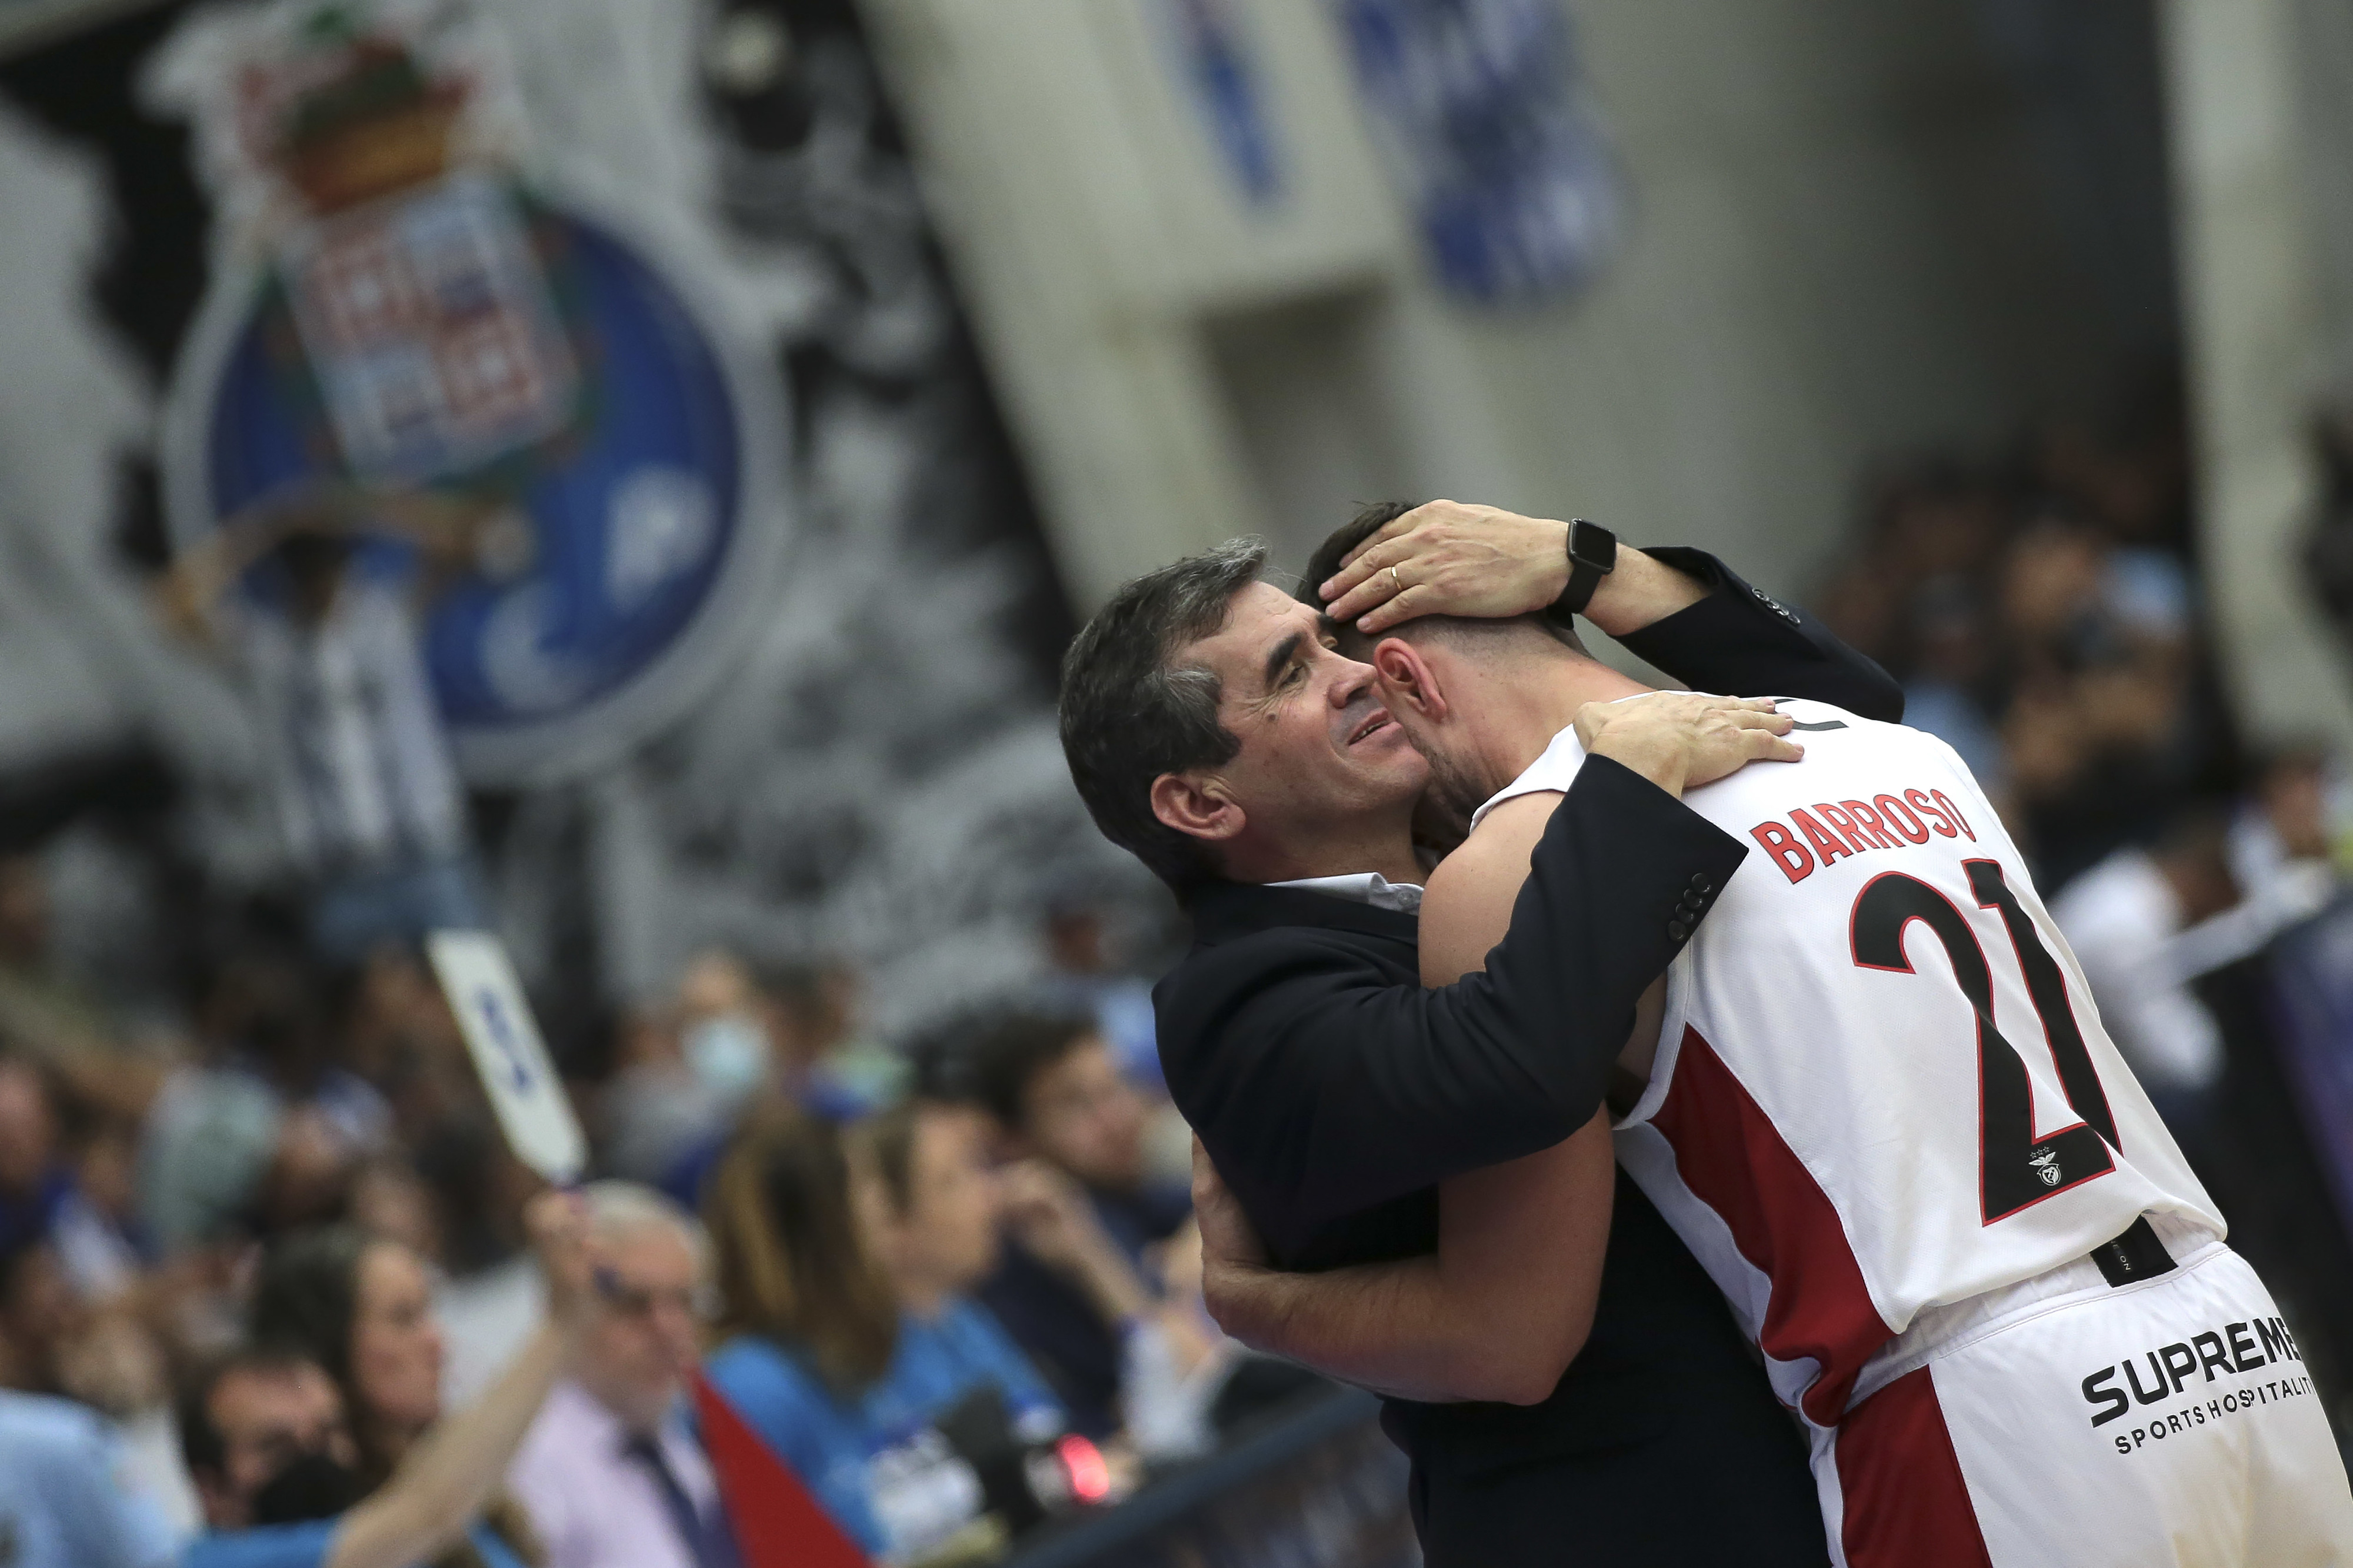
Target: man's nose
pixel 1358 680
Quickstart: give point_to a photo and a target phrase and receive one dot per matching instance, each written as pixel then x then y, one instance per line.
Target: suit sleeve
pixel 1741 642
pixel 1337 1091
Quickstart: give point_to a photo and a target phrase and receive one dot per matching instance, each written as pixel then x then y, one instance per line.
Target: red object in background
pixel 777 1523
pixel 1084 1462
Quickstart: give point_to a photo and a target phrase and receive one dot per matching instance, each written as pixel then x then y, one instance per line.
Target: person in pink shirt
pixel 611 1473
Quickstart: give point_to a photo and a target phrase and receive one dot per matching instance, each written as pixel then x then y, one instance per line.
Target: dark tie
pixel 709 1540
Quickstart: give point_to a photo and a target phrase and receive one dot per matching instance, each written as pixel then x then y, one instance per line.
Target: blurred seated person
pixel 61 1503
pixel 1082 1212
pixel 2280 848
pixel 360 1308
pixel 489 1296
pixel 286 1479
pixel 789 1031
pixel 846 1332
pixel 2145 923
pixel 268 1129
pixel 612 1474
pixel 58 1022
pixel 1083 978
pixel 35 1181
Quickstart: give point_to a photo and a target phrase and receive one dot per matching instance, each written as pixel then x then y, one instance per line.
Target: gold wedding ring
pixel 1396 587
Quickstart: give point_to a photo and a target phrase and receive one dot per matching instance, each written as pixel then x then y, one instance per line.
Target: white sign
pixel 534 1110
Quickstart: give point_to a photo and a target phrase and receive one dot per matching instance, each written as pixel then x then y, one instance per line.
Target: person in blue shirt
pixel 62 1500
pixel 267 1438
pixel 844 1260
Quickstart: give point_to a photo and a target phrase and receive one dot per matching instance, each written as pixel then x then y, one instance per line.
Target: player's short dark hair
pixel 1370 520
pixel 1129 713
pixel 1007 1058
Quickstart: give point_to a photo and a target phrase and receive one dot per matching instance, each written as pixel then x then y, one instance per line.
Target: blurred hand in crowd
pixel 1049 1213
pixel 557 1225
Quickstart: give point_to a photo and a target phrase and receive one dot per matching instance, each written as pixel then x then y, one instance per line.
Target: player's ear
pixel 1408 677
pixel 1200 806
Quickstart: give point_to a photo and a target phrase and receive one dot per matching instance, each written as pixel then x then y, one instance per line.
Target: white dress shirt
pixel 1363 888
pixel 593 1505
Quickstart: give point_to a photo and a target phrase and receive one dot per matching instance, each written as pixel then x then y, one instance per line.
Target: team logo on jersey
pixel 2045 1162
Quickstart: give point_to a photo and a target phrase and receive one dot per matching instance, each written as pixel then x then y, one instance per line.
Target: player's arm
pixel 1505 1305
pixel 1340 1091
pixel 1497 1313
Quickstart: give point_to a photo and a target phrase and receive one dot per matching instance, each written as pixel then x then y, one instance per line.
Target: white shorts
pixel 2166 1423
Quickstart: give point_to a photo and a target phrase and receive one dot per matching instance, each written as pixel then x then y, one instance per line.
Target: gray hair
pixel 617 1210
pixel 1129 714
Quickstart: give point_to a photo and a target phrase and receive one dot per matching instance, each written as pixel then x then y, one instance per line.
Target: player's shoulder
pixel 1498 847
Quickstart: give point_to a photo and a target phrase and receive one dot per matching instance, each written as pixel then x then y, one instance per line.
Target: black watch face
pixel 1590 545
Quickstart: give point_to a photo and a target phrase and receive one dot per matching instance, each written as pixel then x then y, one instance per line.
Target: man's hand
pixel 1449 559
pixel 1680 740
pixel 1050 1217
pixel 557 1225
pixel 1455 559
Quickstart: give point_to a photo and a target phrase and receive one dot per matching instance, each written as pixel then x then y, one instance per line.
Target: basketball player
pixel 1874 1099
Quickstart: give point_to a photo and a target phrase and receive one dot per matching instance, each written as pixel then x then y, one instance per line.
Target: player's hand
pixel 557 1224
pixel 1228 1238
pixel 1681 739
pixel 1449 559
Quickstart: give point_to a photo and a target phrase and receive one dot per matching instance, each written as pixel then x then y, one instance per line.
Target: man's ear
pixel 1408 675
pixel 1197 806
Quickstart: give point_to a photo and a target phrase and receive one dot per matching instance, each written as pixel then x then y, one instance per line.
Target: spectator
pixel 847 1336
pixel 56 1021
pixel 1083 1214
pixel 35 1181
pixel 60 1504
pixel 2280 837
pixel 361 1309
pixel 269 1129
pixel 611 1474
pixel 2145 924
pixel 285 1479
pixel 490 1294
pixel 1083 978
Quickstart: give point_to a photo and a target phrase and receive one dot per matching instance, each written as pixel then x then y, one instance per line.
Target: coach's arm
pixel 1504 1304
pixel 1681 610
pixel 1330 1090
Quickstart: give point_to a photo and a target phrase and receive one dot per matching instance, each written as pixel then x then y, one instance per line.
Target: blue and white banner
pixel 1483 120
pixel 410 306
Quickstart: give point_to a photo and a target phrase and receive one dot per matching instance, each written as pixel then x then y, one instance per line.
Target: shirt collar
pixel 1363 888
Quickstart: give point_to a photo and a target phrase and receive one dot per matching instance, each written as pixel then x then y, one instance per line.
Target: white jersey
pixel 1880 1085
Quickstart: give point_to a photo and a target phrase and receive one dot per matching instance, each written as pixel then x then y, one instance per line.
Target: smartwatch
pixel 1592 555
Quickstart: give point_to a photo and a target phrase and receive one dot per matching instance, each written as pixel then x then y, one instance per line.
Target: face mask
pixel 313 1487
pixel 728 1054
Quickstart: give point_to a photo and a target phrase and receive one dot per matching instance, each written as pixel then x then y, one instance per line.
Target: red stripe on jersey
pixel 1907 1505
pixel 1734 1160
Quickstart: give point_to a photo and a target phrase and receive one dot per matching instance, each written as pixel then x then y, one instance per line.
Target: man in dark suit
pixel 1214 732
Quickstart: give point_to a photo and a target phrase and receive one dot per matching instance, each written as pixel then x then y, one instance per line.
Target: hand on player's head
pixel 1449 559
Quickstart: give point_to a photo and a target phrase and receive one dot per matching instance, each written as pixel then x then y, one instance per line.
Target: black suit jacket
pixel 1335 1093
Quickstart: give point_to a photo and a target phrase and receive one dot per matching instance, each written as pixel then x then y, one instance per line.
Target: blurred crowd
pixel 258 1249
